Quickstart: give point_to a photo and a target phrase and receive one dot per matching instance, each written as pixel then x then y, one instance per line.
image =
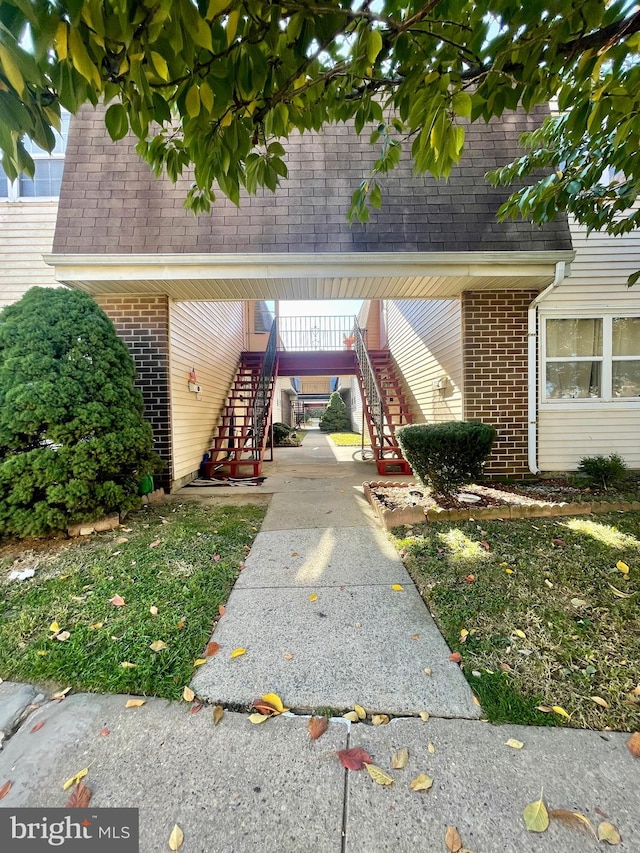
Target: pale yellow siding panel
pixel 26 233
pixel 567 436
pixel 207 337
pixel 425 340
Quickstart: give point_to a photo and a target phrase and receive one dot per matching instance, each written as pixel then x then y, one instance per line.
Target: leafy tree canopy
pixel 228 81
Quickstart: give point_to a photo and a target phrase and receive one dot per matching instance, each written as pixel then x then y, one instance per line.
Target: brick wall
pixel 142 322
pixel 494 344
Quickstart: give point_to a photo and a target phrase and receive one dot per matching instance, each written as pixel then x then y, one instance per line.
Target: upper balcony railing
pixel 315 334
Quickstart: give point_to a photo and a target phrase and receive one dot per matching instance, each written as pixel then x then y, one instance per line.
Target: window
pixel 263 315
pixel 48 174
pixel 589 358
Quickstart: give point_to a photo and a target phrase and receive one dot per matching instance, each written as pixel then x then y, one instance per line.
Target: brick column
pixel 142 322
pixel 494 346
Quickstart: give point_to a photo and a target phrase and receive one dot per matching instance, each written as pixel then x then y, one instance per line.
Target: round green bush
pixel 73 442
pixel 280 432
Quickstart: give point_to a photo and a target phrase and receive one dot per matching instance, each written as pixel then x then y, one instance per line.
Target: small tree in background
pixel 73 442
pixel 335 417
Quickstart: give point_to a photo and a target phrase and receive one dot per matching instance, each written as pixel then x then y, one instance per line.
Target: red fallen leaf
pixel 633 744
pixel 5 789
pixel 212 649
pixel 264 708
pixel 505 667
pixel 37 727
pixel 486 545
pixel 222 609
pixel 105 731
pixel 195 708
pixel 154 544
pixel 216 558
pixel 559 542
pixel 117 601
pixel 355 758
pixel 317 727
pixel 80 797
pixel 456 657
pixel 470 578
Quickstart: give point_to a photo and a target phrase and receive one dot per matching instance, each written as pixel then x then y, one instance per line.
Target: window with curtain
pixel 625 356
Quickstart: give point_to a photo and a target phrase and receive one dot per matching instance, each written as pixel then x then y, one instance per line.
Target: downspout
pixel 532 363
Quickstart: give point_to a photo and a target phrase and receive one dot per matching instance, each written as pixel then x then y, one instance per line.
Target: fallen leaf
pixel 153 610
pixel 37 727
pixel 294 553
pixel 470 578
pixel 622 567
pixel 195 708
pixel 313 596
pixel 476 701
pixel 42 652
pixel 216 558
pixel 218 714
pixel 155 544
pixel 355 758
pixel 620 594
pixel 378 775
pixel 62 636
pixel 317 727
pixel 5 790
pixel 397 587
pixel 256 719
pixel 431 748
pixel 415 636
pixel 456 657
pixel 117 601
pixel 463 635
pixel 212 649
pixel 608 832
pixel 485 545
pixel 352 716
pixel 105 732
pixel 548 583
pixel 578 602
pixel 559 542
pixel 176 838
pixel 574 820
pixel 599 701
pixel 128 665
pixel 95 626
pixel 514 744
pixel 180 624
pixel 54 627
pixel 287 656
pixel 536 817
pixel 452 840
pixel 428 671
pixel 199 661
pixel 135 703
pixel 519 633
pixel 509 572
pixel 222 609
pixel 60 694
pixel 633 744
pixel 80 797
pixel 424 716
pixel 274 702
pixel 188 695
pixel 505 667
pixel 157 646
pixel 236 653
pixel 560 712
pixel 380 719
pixel 360 711
pixel 400 758
pixel 75 779
pixel 421 783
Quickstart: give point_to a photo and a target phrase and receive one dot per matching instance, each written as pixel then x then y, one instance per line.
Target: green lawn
pixel 551 619
pixel 349 439
pixel 180 559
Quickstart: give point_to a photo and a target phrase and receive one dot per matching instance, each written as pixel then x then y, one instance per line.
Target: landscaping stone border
pixel 389 518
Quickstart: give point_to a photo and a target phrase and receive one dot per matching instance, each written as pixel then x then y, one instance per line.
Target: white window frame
pixel 606 360
pixel 13 187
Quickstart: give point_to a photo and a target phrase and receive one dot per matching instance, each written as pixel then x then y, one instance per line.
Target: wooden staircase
pixel 385 407
pixel 239 444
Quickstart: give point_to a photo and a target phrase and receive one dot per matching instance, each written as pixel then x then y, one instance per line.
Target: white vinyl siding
pixel 206 337
pixel 425 340
pixel 26 233
pixel 571 429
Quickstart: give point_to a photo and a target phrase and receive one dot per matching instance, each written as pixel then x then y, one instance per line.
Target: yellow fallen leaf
pixel 54 627
pixel 397 587
pixel 560 712
pixel 236 653
pixel 42 653
pixel 256 719
pixel 352 716
pixel 313 596
pixel 360 711
pixel 622 567
pixel 431 748
pixel 135 703
pixel 514 744
pixel 199 662
pixel 176 838
pixel 218 714
pixel 452 840
pixel 520 634
pixel 75 779
pixel 378 775
pixel 599 701
pixel 476 701
pixel 424 716
pixel 157 646
pixel 128 665
pixel 574 820
pixel 275 701
pixel 421 783
pixel 95 626
pixel 608 832
pixel 153 610
pixel 188 695
pixel 400 758
pixel 536 817
pixel 508 571
pixel 463 635
pixel 288 656
pixel 620 594
pixel 380 719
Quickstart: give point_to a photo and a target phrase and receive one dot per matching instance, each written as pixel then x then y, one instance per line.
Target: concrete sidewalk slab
pixel 335 663
pixel 482 786
pixel 14 701
pixel 233 788
pixel 291 511
pixel 322 557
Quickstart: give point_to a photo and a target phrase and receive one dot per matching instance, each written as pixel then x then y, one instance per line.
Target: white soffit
pixel 383 275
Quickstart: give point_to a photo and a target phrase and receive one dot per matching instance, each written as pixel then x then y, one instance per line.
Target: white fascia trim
pixel 330 265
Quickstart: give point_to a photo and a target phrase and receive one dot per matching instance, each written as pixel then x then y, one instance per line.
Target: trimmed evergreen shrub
pixel 73 442
pixel 335 417
pixel 280 432
pixel 604 471
pixel 446 455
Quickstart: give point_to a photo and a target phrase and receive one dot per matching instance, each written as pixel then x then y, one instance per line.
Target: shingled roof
pixel 110 203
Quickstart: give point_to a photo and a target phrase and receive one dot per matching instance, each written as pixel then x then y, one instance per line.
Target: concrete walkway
pixel 237 788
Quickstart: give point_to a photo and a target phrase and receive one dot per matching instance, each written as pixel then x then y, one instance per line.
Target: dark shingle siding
pixel 111 203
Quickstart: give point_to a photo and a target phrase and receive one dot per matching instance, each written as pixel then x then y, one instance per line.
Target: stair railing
pixel 262 399
pixel 370 385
